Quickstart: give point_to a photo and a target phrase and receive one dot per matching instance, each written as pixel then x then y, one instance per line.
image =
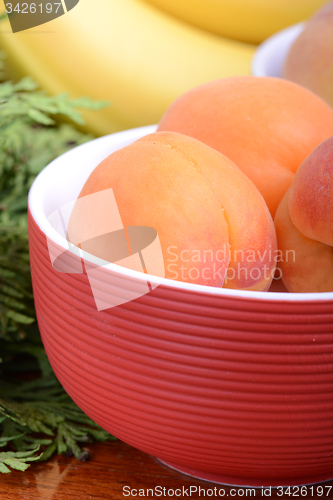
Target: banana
pixel 248 20
pixel 126 52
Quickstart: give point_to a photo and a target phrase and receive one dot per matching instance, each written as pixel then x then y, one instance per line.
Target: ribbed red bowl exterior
pixel 235 390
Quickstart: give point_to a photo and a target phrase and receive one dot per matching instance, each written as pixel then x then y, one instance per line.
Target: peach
pixel 213 225
pixel 267 126
pixel 304 225
pixel 305 265
pixel 310 59
pixel 311 194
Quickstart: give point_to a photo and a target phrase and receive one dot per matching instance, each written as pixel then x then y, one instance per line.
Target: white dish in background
pixel 269 57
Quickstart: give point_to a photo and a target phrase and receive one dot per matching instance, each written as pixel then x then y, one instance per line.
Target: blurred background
pixel 140 55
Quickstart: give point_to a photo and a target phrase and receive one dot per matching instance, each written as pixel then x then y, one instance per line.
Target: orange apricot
pixel 304 224
pixel 309 61
pixel 267 126
pixel 213 224
pixel 311 194
pixel 305 265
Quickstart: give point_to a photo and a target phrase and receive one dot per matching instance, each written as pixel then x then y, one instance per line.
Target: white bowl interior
pixel 270 56
pixel 61 181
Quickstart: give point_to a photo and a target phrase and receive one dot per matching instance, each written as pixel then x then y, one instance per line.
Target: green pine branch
pixel 37 417
pixel 17 460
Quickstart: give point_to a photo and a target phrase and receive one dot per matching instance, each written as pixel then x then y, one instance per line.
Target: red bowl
pixel 230 386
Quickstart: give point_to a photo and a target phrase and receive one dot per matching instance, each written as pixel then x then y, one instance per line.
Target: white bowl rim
pixel 274 50
pixel 36 209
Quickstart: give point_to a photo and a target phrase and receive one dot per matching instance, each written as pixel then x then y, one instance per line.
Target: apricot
pixel 267 126
pixel 310 59
pixel 311 194
pixel 304 225
pixel 213 224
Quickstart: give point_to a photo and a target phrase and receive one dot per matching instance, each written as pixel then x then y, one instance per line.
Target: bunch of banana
pixel 126 52
pixel 248 20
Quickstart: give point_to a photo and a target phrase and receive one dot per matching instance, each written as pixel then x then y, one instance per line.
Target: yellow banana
pixel 248 20
pixel 124 51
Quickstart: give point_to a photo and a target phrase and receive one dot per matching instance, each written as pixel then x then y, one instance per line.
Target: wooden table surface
pixel 116 465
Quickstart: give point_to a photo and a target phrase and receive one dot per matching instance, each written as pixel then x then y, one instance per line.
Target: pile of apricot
pixel 227 157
